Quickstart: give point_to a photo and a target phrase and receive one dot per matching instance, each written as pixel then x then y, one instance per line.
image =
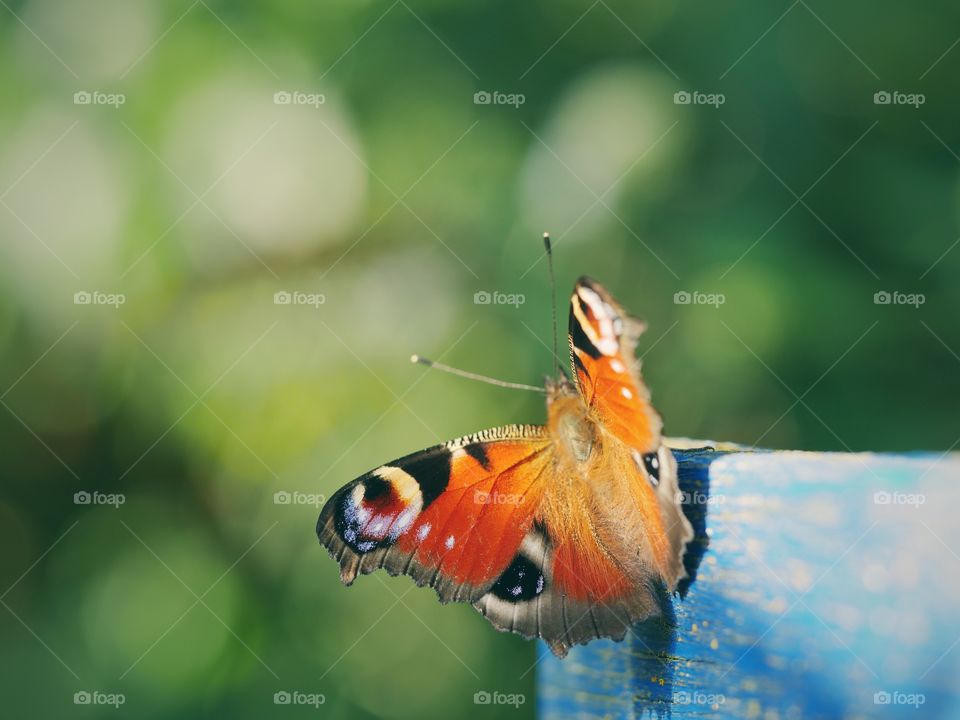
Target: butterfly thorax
pixel 570 426
pixel 598 501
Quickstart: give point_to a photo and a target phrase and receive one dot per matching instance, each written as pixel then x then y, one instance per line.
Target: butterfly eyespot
pixel 522 580
pixel 651 461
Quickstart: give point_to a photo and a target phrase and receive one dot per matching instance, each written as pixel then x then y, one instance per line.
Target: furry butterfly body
pixel 567 531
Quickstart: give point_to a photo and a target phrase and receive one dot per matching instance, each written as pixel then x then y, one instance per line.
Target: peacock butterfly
pixel 567 531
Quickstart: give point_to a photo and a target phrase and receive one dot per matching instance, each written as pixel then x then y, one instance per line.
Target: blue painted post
pixel 826 586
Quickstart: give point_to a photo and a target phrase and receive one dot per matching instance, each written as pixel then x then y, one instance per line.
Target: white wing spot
pixel 403 522
pixel 626 393
pixel 605 336
pixel 617 366
pixel 423 531
pixel 449 543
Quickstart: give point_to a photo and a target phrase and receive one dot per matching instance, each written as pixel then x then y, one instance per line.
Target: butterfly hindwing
pixel 536 598
pixel 451 516
pixel 605 546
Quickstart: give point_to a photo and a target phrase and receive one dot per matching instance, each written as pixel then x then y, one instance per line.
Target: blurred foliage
pixel 398 198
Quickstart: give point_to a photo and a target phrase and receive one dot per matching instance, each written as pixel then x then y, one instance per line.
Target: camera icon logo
pixel 482 697
pixel 281 497
pixel 82 97
pixel 881 298
pixel 82 298
pixel 881 698
pixel 882 98
pixel 282 297
pixel 82 698
pixel 281 697
pixel 482 297
pixel 681 298
pixel 282 97
pixel 682 97
pixel 482 97
pixel 882 498
pixel 81 498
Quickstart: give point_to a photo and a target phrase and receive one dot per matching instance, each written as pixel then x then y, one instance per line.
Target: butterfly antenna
pixel 474 376
pixel 548 246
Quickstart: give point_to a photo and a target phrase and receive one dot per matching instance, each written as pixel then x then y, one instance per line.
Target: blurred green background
pixel 147 160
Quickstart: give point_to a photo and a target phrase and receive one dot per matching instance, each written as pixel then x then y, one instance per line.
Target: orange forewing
pixel 473 530
pixel 620 405
pixel 452 516
pixel 602 340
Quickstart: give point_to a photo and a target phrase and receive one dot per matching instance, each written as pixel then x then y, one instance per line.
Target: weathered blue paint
pixel 826 586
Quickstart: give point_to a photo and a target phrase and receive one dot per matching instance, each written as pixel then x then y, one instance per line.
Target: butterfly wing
pixel 470 518
pixel 565 593
pixel 603 338
pixel 604 549
pixel 452 516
